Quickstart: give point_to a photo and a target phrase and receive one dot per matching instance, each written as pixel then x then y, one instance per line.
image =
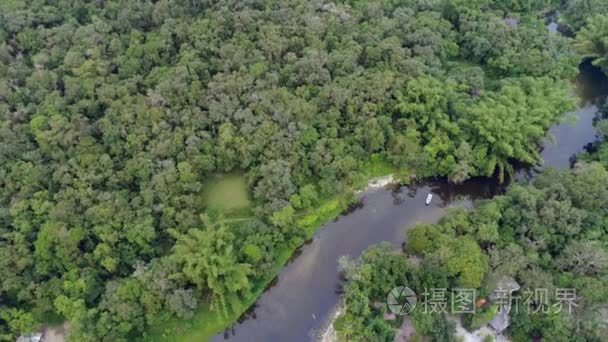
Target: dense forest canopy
pixel 116 115
pixel 550 234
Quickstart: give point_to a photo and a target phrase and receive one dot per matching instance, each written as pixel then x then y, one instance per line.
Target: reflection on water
pixel 566 140
pixel 447 193
pixel 309 287
pixel 591 84
pixel 303 295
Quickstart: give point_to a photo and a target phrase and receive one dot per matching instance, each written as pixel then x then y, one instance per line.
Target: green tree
pixel 592 40
pixel 206 258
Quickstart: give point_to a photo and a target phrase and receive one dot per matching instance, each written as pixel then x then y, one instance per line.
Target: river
pixel 296 307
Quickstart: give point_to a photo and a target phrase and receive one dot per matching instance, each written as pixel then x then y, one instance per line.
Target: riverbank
pixel 307 286
pixel 329 333
pixel 378 183
pixel 207 323
pixel 375 174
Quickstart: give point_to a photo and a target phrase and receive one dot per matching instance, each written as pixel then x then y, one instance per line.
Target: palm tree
pixel 592 41
pixel 207 259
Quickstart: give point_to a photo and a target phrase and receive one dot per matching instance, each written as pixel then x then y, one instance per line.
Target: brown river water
pixel 305 293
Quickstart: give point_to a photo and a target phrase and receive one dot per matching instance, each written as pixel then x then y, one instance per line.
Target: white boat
pixel 429 197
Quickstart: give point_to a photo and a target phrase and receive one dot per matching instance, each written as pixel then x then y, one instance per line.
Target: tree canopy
pixel 546 235
pixel 115 117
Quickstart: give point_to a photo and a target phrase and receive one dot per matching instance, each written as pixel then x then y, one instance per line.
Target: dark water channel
pixel 302 299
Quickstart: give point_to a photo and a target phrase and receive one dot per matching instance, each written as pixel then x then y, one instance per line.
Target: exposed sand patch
pixel 378 183
pixel 329 334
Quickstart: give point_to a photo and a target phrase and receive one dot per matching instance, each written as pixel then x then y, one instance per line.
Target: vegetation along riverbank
pixel 549 235
pixel 160 161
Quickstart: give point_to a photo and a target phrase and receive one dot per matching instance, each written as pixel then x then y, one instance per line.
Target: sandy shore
pixel 329 333
pixel 378 183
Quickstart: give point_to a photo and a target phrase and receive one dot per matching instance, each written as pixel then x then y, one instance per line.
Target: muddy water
pixel 306 289
pixel 576 133
pixel 296 307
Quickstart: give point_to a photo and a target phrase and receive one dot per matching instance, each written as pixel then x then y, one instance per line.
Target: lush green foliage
pixel 115 116
pixel 592 40
pixel 600 150
pixel 549 234
pixel 577 12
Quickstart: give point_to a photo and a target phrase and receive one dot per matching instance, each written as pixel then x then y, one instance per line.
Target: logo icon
pixel 401 300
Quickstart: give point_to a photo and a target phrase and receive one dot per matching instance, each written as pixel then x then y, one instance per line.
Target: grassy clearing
pixel 228 195
pixel 375 167
pixel 207 323
pixel 227 192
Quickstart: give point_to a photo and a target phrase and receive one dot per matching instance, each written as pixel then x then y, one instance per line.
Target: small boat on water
pixel 429 197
